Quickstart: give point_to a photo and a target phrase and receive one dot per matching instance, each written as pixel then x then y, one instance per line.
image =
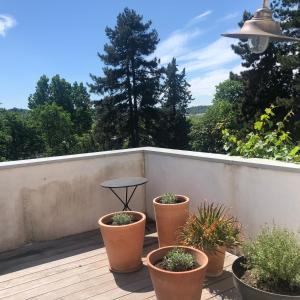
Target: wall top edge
pixel 209 157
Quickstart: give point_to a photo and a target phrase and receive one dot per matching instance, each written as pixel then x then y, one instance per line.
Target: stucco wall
pixel 257 191
pixel 45 199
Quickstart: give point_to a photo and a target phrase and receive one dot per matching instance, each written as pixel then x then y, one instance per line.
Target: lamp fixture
pixel 261 30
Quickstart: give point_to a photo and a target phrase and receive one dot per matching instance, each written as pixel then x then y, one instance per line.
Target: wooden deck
pixel 77 268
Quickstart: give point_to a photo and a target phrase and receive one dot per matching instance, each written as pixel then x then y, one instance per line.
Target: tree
pixel 82 112
pixel 41 95
pixel 56 128
pixel 130 81
pixel 176 97
pixel 229 90
pixel 268 80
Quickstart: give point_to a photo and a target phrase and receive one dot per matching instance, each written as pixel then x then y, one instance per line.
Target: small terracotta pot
pixel 124 244
pixel 169 218
pixel 177 285
pixel 215 262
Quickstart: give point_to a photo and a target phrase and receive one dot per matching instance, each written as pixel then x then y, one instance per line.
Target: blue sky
pixel 63 36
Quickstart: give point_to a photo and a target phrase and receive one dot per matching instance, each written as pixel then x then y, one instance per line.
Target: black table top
pixel 124 182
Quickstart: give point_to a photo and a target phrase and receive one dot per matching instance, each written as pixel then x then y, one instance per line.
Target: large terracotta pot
pixel 169 218
pixel 124 244
pixel 177 285
pixel 215 262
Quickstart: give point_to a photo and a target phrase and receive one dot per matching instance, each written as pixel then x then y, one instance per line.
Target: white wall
pixel 49 198
pixel 256 191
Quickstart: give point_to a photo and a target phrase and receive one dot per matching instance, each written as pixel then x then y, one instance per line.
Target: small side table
pixel 125 182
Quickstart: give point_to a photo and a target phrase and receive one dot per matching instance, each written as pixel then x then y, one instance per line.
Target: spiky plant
pixel 210 228
pixel 121 219
pixel 168 198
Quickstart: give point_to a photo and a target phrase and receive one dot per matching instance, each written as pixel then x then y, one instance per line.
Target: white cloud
pixel 175 45
pixel 218 53
pixel 6 22
pixel 199 18
pixel 203 87
pixel 230 16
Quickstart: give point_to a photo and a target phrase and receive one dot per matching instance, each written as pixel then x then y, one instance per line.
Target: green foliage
pixel 206 134
pixel 130 83
pixel 229 90
pixel 210 228
pixel 119 219
pixel 178 260
pixel 273 259
pixel 268 140
pixel 196 110
pixel 168 198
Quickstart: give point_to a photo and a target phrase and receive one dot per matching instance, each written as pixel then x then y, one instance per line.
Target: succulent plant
pixel 122 219
pixel 210 228
pixel 168 198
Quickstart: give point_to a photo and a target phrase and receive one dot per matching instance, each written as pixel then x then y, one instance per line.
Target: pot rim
pixel 149 264
pixel 237 262
pixel 185 200
pixel 142 215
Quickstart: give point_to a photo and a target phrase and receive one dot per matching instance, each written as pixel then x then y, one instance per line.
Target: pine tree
pixel 130 81
pixel 176 97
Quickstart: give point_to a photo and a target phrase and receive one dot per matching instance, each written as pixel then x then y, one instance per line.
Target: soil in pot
pixel 169 218
pixel 124 243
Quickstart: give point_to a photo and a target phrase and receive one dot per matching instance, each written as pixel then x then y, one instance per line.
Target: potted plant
pixel 171 212
pixel 123 236
pixel 270 267
pixel 212 231
pixel 177 272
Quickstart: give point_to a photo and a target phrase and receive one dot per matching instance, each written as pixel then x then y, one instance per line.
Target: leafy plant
pixel 273 259
pixel 122 219
pixel 168 198
pixel 210 228
pixel 178 260
pixel 268 140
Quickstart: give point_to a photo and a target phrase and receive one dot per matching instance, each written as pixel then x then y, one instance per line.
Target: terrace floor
pixel 76 267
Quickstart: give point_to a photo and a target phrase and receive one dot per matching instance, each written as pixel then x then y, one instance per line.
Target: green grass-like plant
pixel 178 260
pixel 210 228
pixel 273 260
pixel 168 198
pixel 122 219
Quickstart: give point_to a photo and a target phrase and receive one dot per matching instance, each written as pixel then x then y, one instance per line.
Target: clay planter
pixel 169 218
pixel 177 285
pixel 215 262
pixel 124 244
pixel 250 293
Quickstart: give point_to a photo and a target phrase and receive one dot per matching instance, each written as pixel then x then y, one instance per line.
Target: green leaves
pixel 273 259
pixel 266 141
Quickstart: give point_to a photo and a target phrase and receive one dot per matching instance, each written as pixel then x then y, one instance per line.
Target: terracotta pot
pixel 215 262
pixel 169 218
pixel 124 244
pixel 177 285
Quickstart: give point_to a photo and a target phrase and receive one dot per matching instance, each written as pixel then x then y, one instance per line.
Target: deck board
pixel 76 267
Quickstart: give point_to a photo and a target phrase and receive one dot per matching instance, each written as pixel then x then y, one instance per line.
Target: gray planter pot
pixel 250 293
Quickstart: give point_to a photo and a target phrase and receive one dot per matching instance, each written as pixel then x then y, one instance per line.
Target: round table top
pixel 124 182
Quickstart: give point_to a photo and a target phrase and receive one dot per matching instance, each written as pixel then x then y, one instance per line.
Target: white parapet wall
pixel 48 198
pixel 256 191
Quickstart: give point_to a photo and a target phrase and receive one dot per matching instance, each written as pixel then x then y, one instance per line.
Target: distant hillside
pixel 196 110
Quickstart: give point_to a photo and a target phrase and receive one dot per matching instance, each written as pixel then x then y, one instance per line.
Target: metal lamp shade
pixel 261 25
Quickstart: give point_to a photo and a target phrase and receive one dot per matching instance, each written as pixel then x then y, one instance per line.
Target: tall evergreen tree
pixel 176 97
pixel 130 81
pixel 268 80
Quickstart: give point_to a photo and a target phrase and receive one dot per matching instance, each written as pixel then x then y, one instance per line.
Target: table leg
pixel 124 203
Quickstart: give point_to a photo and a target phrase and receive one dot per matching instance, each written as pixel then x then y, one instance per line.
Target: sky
pixel 63 37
